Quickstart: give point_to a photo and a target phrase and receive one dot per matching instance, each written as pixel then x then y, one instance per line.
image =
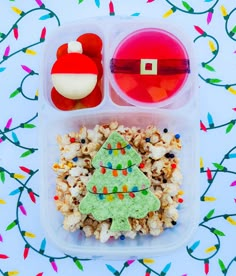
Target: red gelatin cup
pixel 149 67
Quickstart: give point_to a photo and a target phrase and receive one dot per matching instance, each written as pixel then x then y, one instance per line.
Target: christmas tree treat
pixel 118 189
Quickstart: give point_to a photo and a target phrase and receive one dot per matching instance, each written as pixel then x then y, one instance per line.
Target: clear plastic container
pixel 180 115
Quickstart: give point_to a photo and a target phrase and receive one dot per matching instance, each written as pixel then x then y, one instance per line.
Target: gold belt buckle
pixel 148 66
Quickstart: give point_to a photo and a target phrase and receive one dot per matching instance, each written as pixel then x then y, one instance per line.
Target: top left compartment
pixel 60 55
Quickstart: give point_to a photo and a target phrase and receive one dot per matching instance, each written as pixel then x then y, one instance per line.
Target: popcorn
pixel 157 152
pixel 159 163
pixel 72 221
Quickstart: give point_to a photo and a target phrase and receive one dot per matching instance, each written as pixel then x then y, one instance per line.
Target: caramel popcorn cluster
pixel 160 164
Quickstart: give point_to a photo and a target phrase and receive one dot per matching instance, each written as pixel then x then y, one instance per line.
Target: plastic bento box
pixel 128 50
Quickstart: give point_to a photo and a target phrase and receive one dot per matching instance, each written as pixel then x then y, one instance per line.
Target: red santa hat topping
pixel 74 75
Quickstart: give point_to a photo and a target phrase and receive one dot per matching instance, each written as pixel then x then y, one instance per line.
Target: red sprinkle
pixel 180 200
pixel 141 165
pixel 173 166
pixel 72 139
pixel 56 197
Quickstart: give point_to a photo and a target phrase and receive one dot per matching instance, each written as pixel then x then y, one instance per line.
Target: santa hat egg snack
pixel 74 75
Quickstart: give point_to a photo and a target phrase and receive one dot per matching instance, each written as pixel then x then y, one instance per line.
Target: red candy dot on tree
pixel 62 50
pixel 91 44
pixel 62 102
pixel 93 99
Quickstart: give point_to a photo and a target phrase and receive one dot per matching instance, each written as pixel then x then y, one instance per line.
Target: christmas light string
pixel 212 42
pixel 214 47
pixel 15 141
pixel 22 14
pixel 19 90
pixel 225 269
pixel 211 125
pixel 219 169
pixel 20 209
pixel 211 175
pixel 231 33
pixel 18 177
pixel 214 249
pixel 144 262
pixel 115 272
pixel 97 2
pixel 9 273
pixel 187 8
pixel 26 50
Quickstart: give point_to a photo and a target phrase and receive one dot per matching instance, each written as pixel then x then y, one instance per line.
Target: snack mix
pixel 158 150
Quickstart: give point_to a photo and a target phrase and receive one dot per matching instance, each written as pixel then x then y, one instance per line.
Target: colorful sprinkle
pixel 180 200
pixel 75 159
pixel 82 141
pixel 173 166
pixel 147 139
pixel 94 189
pixel 72 139
pixel 165 130
pixel 177 136
pixel 56 197
pixel 141 165
pixel 122 237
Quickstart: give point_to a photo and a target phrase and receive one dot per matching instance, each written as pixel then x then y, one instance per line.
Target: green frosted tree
pixel 118 189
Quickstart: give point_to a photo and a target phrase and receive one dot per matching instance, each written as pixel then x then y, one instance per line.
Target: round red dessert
pixel 149 66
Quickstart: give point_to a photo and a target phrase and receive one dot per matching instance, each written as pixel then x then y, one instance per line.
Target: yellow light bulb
pixel 223 11
pixel 148 261
pixel 209 198
pixel 212 46
pixel 231 221
pixel 30 52
pixel 231 90
pixel 16 10
pixel 210 249
pixel 18 176
pixel 29 235
pixel 12 273
pixel 168 13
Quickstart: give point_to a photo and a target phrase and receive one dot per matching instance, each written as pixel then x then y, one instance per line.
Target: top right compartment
pixel 150 66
